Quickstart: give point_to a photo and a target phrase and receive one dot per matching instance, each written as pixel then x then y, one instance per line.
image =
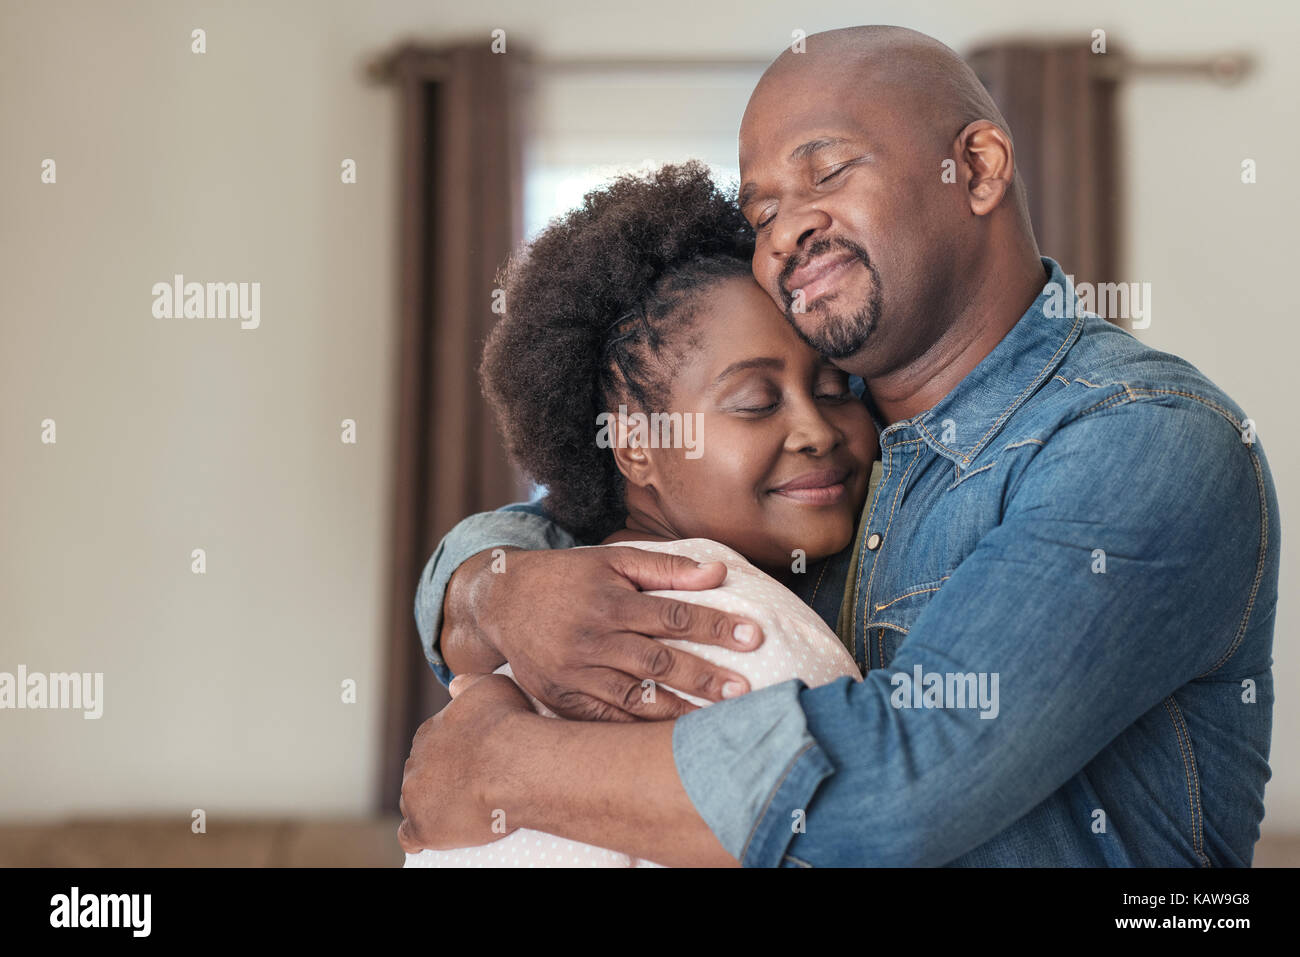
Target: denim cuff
pixel 515 526
pixel 749 765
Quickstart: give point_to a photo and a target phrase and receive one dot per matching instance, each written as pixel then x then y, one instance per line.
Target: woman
pixel 643 377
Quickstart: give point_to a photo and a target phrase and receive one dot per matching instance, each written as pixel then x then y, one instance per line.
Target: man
pixel 1077 530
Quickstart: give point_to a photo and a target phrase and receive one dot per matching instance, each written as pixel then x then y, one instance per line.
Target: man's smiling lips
pixel 816 278
pixel 823 487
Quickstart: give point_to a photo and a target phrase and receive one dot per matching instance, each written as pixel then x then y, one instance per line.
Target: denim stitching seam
pixel 1037 380
pixel 919 591
pixel 1190 774
pixel 893 509
pixel 1259 571
pixel 744 853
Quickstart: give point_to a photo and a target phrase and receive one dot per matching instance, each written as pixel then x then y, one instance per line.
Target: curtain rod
pixel 1224 68
pixel 426 61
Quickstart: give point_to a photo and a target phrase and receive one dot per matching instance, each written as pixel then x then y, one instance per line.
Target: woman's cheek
pixel 855 422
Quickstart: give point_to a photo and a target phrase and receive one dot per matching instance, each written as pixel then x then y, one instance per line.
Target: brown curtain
pixel 461 214
pixel 1060 101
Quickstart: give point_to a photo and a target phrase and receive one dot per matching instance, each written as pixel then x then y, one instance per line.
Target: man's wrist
pixel 508 747
pixel 465 646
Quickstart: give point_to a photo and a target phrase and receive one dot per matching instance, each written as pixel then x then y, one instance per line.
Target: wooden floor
pixel 360 843
pixel 170 843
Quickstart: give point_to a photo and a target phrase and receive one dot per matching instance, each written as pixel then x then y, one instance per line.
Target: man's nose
pixel 794 229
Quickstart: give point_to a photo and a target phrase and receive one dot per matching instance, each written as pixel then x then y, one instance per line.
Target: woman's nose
pixel 812 432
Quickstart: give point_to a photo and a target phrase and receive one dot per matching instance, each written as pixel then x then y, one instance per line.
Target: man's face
pixel 841 191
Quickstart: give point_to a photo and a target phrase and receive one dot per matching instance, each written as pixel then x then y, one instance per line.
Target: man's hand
pixel 580 635
pixel 486 765
pixel 444 801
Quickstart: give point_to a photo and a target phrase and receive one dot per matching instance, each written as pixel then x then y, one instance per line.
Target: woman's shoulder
pixel 797 643
pixel 697 549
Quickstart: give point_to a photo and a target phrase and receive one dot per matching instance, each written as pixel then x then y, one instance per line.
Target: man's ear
pixel 990 164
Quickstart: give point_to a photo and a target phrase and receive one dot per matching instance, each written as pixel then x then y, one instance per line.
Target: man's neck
pixel 995 306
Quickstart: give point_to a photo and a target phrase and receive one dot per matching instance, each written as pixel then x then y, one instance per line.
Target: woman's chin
pixel 817 540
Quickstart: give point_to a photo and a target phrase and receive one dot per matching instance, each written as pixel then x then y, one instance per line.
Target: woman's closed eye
pixel 757 406
pixel 829 395
pixel 833 386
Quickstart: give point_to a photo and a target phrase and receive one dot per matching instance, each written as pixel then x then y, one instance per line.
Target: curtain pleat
pixel 461 215
pixel 1061 106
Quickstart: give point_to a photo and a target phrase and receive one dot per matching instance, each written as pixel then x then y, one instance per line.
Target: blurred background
pixel 369 165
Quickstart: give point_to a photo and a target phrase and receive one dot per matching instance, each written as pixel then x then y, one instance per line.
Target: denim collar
pixel 983 401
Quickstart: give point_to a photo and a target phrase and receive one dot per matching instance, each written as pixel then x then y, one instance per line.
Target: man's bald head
pixel 876 144
pixel 916 72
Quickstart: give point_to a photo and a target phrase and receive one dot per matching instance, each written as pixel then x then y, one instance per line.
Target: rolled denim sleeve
pixel 740 758
pixel 843 775
pixel 522 525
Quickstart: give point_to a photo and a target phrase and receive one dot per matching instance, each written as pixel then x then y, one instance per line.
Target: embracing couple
pixel 950 579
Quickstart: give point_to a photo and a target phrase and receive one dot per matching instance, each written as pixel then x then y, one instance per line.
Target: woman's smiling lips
pixel 823 487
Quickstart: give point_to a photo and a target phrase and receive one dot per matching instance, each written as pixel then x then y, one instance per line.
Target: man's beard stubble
pixel 836 336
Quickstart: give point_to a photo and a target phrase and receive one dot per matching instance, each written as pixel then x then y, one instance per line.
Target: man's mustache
pixel 815 249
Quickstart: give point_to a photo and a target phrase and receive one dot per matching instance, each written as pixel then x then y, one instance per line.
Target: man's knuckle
pixel 576 704
pixel 676 616
pixel 599 648
pixel 629 696
pixel 656 660
pixel 562 698
pixel 551 692
pixel 706 683
pixel 600 608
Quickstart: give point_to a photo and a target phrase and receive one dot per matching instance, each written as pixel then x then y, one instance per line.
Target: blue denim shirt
pixel 1087 522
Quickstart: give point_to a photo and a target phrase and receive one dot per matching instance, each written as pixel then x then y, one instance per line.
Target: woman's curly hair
pixel 595 311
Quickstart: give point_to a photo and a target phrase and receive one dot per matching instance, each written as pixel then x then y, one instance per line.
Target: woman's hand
pixel 580 635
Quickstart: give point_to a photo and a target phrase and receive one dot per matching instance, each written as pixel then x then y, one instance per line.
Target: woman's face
pixel 782 451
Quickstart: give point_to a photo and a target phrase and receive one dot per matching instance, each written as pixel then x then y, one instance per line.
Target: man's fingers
pixel 406 837
pixel 463 681
pixel 640 698
pixel 651 571
pixel 600 699
pixel 668 618
pixel 497 689
pixel 654 664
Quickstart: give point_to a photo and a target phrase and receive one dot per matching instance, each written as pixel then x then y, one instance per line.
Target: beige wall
pixel 222 691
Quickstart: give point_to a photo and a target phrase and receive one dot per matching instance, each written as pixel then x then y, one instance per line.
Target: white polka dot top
pixel 796 644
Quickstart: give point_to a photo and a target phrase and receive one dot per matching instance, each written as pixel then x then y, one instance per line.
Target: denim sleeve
pixel 522 525
pixel 844 774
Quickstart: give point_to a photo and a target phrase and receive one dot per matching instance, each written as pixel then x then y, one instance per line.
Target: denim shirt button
pixel 873 542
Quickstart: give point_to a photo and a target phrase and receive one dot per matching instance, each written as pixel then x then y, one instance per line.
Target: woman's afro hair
pixel 595 306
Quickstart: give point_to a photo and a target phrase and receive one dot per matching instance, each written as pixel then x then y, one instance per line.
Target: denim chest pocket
pixel 890 619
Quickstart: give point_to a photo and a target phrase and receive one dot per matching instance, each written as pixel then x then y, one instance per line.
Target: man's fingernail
pixel 745 633
pixel 733 689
